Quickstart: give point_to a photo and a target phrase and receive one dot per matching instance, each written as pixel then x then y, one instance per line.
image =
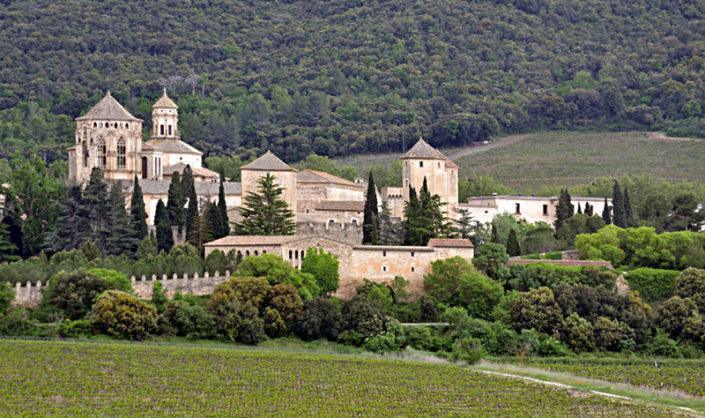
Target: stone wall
pixel 30 295
pixel 349 233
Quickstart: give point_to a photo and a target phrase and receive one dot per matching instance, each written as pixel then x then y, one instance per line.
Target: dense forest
pixel 346 76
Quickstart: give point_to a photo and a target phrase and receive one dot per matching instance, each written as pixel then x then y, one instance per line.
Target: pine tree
pixel 465 224
pixel 175 202
pixel 266 213
pixel 223 209
pixel 73 224
pixel 370 212
pixel 390 232
pixel 628 215
pixel 165 236
pixel 606 213
pixel 513 248
pixel 620 218
pixel 424 218
pixel 122 239
pixel 12 220
pixel 95 202
pixel 138 214
pixel 564 209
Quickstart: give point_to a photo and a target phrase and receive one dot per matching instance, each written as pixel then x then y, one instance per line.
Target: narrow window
pixel 439 165
pixel 291 254
pixel 247 253
pixel 517 208
pixel 412 253
pixel 161 130
pixel 144 167
pixel 412 269
pixel 102 159
pixel 384 253
pixel 121 148
pixel 545 209
pixel 84 150
pixel 169 130
pixel 256 253
pixel 420 163
pixel 384 268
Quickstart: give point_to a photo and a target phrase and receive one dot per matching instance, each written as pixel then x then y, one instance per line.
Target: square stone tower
pixel 284 176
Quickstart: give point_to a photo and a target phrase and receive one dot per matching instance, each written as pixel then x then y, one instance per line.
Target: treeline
pixel 340 77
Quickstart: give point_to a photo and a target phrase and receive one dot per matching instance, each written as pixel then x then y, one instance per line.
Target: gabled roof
pixel 108 109
pixel 314 176
pixel 172 145
pixel 197 171
pixel 342 205
pixel 267 162
pixel 165 102
pixel 422 150
pixel 450 242
pixel 236 240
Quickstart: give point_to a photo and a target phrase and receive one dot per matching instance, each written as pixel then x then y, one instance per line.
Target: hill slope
pixel 338 77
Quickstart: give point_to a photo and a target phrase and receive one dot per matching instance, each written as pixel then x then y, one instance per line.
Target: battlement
pixel 350 233
pixel 29 295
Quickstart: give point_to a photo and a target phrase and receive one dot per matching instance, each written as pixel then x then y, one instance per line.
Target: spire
pixel 165 102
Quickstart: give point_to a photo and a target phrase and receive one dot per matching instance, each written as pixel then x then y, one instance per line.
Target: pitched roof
pixel 451 164
pixel 165 102
pixel 173 146
pixel 197 171
pixel 578 263
pixel 235 240
pixel 203 188
pixel 450 242
pixel 314 176
pixel 422 150
pixel 342 205
pixel 108 109
pixel 267 162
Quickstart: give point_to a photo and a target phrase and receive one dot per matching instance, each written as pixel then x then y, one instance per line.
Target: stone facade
pixel 377 263
pixel 527 208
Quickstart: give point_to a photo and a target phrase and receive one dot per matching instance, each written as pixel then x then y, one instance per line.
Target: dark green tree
pixel 411 213
pixel 620 217
pixel 465 224
pixel 12 219
pixel 324 268
pixel 391 232
pixel 175 202
pixel 97 207
pixel 369 228
pixel 165 236
pixel 684 215
pixel 122 239
pixel 193 220
pixel 628 214
pixel 606 216
pixel 513 248
pixel 210 221
pixel 266 213
pixel 138 213
pixel 564 209
pixel 494 234
pixel 8 250
pixel 186 182
pixel 223 209
pixel 72 227
pixel 579 211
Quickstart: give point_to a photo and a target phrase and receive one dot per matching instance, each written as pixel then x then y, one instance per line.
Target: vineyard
pixel 69 378
pixel 683 375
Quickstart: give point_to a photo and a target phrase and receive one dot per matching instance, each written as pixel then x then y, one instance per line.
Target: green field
pixel 88 378
pixel 569 159
pixel 686 376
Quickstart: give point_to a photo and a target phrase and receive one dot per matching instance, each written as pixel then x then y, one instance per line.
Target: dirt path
pixel 476 149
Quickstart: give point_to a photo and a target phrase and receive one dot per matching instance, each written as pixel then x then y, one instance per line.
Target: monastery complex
pixel 328 209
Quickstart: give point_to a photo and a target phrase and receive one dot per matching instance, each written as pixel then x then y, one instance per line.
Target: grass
pixel 96 378
pixel 569 159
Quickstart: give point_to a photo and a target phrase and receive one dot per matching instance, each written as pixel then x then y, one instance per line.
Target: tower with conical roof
pixel 165 118
pixel 284 176
pixel 424 161
pixel 108 137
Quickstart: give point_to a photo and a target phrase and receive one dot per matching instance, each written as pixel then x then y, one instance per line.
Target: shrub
pixel 286 300
pixel 323 267
pixel 550 347
pixel 444 280
pixel 467 349
pixel 236 306
pixel 691 283
pixel 73 293
pixel 7 295
pixel 364 316
pixel 123 316
pixel 674 314
pixel 578 333
pixel 663 346
pixel 185 320
pixel 382 343
pixel 536 309
pixel 320 318
pixel 76 329
pixel 114 279
pixel 653 284
pixel 159 298
pixel 419 337
pixel 553 255
pixel 277 271
pixel 609 333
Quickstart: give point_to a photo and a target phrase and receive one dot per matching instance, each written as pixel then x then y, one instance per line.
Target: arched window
pixel 144 167
pixel 169 130
pixel 161 130
pixel 256 253
pixel 95 124
pixel 127 126
pixel 101 158
pixel 121 148
pixel 247 253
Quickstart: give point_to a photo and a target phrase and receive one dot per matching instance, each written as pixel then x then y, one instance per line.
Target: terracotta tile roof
pixel 451 164
pixel 165 102
pixel 267 162
pixel 198 171
pixel 236 240
pixel 108 109
pixel 147 147
pixel 392 248
pixel 314 176
pixel 450 242
pixel 173 146
pixel 577 263
pixel 342 205
pixel 422 150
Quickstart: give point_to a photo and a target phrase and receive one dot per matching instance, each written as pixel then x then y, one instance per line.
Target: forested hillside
pixel 338 77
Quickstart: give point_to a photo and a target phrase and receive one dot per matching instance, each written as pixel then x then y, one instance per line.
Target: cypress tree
pixel 494 234
pixel 620 218
pixel 175 202
pixel 564 209
pixel 628 216
pixel 513 248
pixel 186 182
pixel 588 209
pixel 580 211
pixel 165 237
pixel 138 213
pixel 266 213
pixel 122 239
pixel 223 209
pixel 411 211
pixel 193 227
pixel 373 238
pixel 606 213
pixel 370 212
pixel 209 216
